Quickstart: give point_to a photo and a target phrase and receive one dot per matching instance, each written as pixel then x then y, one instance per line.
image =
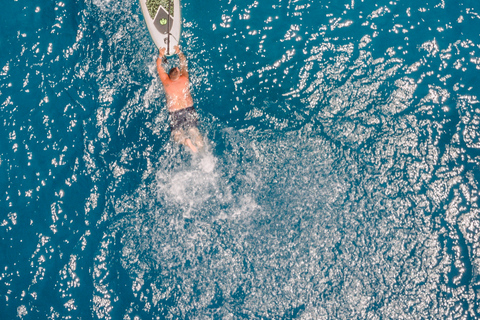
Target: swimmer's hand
pixel 162 52
pixel 177 49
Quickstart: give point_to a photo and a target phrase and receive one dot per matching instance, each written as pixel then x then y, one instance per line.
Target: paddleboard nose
pixel 163 19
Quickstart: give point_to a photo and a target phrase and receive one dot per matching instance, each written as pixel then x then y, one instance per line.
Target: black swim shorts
pixel 183 119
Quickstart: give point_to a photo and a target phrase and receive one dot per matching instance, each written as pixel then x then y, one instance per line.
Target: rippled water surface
pixel 340 181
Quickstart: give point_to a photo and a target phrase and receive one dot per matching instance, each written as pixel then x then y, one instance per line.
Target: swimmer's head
pixel 174 73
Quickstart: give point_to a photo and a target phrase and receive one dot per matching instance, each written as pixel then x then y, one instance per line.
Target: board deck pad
pixel 154 5
pixel 161 21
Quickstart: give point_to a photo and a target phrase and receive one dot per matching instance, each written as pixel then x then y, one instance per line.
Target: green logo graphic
pixel 163 22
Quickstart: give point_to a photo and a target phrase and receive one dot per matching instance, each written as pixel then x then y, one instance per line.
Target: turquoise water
pixel 341 179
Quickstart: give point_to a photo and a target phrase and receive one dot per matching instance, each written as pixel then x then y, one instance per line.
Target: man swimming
pixel 183 117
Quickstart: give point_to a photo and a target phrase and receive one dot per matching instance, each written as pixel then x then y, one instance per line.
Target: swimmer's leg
pixel 189 144
pixel 196 137
pixel 180 137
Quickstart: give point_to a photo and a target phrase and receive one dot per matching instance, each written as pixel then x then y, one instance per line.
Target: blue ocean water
pixel 341 178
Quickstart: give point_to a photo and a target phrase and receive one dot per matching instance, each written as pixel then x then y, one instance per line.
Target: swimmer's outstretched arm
pixel 161 72
pixel 183 61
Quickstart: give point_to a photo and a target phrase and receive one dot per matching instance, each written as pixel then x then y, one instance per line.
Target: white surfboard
pixel 164 22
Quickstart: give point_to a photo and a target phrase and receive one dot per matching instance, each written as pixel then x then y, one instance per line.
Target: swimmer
pixel 183 117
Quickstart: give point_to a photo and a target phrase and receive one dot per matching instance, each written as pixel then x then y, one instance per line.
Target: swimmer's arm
pixel 161 72
pixel 183 61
